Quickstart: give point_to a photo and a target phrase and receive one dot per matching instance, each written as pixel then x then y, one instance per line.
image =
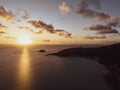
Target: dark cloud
pixel 63 33
pixel 108 31
pixel 100 29
pixel 87 13
pixel 88 9
pixel 2 32
pixel 113 21
pixel 6 15
pixel 42 26
pixel 84 9
pixel 95 37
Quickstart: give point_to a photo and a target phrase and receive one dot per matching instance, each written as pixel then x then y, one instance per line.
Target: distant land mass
pixel 107 55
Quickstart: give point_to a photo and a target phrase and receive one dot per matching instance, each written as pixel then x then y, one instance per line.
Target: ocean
pixel 25 68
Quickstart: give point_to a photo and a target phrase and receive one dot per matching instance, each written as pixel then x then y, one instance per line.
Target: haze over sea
pixel 24 68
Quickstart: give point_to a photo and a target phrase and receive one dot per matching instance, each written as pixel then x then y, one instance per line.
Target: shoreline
pixel 105 55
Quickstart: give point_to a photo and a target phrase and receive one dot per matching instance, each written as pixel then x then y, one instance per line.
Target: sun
pixel 24 40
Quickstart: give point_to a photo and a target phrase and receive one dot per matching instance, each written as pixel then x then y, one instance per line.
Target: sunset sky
pixel 60 21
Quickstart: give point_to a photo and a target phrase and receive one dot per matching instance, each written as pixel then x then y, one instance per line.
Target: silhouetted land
pixel 42 50
pixel 106 55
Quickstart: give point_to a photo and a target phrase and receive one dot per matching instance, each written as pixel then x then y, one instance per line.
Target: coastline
pixel 106 55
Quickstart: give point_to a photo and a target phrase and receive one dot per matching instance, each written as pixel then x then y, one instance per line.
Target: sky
pixel 60 21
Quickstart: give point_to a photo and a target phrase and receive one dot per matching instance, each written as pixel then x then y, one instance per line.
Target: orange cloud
pixel 6 15
pixel 47 40
pixel 29 29
pixel 3 27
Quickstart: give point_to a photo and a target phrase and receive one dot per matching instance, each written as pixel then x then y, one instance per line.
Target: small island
pixel 42 50
pixel 106 55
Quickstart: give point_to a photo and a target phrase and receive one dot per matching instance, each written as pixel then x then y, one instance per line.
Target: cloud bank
pixel 111 22
pixel 40 26
pixel 44 27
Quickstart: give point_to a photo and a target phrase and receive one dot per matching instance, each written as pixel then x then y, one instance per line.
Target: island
pixel 42 50
pixel 108 55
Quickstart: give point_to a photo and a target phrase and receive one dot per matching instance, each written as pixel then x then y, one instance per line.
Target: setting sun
pixel 24 40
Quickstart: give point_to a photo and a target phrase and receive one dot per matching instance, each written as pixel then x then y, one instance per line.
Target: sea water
pixel 25 68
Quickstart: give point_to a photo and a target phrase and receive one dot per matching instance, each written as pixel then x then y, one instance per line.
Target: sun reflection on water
pixel 24 71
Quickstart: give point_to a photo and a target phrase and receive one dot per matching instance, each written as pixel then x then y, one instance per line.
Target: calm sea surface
pixel 24 68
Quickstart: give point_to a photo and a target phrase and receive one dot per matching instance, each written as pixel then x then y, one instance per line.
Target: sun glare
pixel 24 40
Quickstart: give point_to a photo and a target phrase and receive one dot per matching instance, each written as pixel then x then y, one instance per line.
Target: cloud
pixel 87 13
pixel 40 26
pixel 100 29
pixel 108 31
pixel 24 28
pixel 113 21
pixel 25 14
pixel 29 29
pixel 84 9
pixel 9 16
pixel 47 40
pixel 2 32
pixel 64 8
pixel 88 9
pixel 3 27
pixel 9 37
pixel 85 27
pixel 95 37
pixel 63 33
pixel 6 15
pixel 43 27
pixel 21 14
